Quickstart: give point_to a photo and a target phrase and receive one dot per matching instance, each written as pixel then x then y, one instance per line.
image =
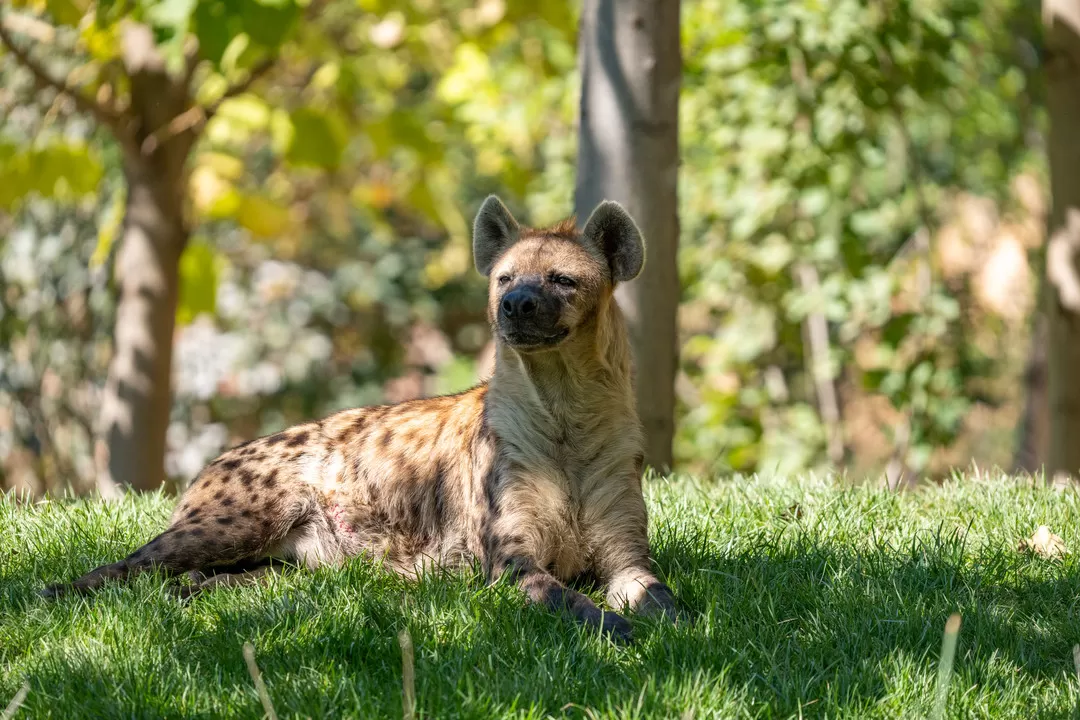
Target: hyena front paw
pixel 658 601
pixel 52 592
pixel 617 627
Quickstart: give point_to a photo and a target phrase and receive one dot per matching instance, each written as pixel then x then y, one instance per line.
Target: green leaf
pixel 108 227
pixel 268 23
pixel 262 217
pixel 897 329
pixel 318 139
pixel 61 170
pixel 814 201
pixel 261 28
pixel 66 12
pixel 772 254
pixel 170 20
pixel 198 282
pixel 214 28
pixel 173 15
pixel 873 379
pixel 247 110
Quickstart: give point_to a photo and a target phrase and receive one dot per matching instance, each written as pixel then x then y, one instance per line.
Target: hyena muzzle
pixel 535 473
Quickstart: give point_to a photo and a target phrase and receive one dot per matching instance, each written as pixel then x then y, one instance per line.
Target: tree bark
pixel 1033 438
pixel 818 365
pixel 1062 18
pixel 137 398
pixel 628 151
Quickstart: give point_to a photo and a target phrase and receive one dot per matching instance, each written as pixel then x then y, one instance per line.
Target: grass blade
pixel 16 701
pixel 408 688
pixel 256 676
pixel 945 664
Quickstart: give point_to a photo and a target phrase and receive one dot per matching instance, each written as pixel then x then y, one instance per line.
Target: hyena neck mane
pixel 563 368
pixel 567 384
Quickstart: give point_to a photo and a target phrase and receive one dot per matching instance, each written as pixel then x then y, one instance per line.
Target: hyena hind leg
pixel 246 572
pixel 181 548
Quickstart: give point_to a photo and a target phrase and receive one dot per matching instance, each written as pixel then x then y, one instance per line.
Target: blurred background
pixel 862 199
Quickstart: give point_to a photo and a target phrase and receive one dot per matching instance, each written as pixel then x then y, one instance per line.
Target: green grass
pixel 838 613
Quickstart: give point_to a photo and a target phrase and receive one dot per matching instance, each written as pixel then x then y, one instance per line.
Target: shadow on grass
pixel 788 623
pixel 801 620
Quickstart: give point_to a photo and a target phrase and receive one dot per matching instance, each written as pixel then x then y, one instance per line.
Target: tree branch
pixel 241 87
pixel 191 60
pixel 195 117
pixel 104 114
pixel 191 119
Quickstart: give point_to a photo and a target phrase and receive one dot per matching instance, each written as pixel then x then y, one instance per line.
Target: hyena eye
pixel 564 281
pixel 503 279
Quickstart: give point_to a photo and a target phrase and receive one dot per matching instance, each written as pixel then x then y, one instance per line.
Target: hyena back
pixel 535 473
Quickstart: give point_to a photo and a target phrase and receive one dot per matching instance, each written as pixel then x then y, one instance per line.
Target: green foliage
pixel 806 596
pixel 56 312
pixel 333 198
pixel 57 170
pixel 198 282
pixel 318 139
pixel 830 135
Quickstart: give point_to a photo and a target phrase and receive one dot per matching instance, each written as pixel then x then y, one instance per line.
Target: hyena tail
pixel 184 547
pixel 151 555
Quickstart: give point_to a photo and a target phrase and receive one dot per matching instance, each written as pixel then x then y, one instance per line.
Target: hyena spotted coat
pixel 535 473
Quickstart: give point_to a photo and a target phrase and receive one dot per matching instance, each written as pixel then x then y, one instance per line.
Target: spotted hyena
pixel 536 473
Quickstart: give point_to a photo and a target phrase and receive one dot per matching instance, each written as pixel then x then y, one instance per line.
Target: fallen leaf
pixel 1044 544
pixel 795 512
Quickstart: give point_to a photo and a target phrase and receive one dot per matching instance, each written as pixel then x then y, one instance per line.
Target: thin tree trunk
pixel 628 151
pixel 1062 18
pixel 816 344
pixel 897 473
pixel 1033 441
pixel 137 399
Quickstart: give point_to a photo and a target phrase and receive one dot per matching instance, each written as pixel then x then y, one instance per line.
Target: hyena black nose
pixel 519 303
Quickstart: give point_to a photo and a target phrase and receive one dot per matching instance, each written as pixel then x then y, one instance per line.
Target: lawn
pixel 808 597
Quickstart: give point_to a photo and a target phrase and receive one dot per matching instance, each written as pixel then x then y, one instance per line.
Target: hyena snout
pixel 520 304
pixel 529 316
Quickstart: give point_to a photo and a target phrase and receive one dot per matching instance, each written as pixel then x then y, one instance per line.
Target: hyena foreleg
pixel 621 536
pixel 637 589
pixel 543 588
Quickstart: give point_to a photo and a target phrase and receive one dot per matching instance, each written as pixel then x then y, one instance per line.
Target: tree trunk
pixel 628 151
pixel 818 365
pixel 137 399
pixel 1062 19
pixel 1033 441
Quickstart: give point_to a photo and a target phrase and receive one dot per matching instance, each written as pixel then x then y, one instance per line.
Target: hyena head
pixel 547 284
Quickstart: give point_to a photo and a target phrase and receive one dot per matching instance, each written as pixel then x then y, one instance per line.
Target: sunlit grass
pixel 807 598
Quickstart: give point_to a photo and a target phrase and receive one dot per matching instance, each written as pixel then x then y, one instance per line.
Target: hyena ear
pixel 611 229
pixel 494 230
